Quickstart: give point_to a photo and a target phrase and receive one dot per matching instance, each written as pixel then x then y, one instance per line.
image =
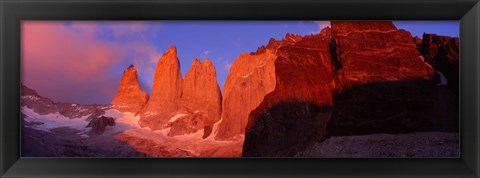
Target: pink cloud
pixel 322 24
pixel 71 64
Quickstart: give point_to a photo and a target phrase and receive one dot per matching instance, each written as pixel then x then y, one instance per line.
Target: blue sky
pixel 115 45
pixel 446 28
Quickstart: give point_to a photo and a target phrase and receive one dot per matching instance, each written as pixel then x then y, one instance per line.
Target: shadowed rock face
pixel 447 61
pixel 383 107
pixel 130 97
pixel 99 124
pixel 166 92
pixel 285 129
pixel 442 52
pixel 429 46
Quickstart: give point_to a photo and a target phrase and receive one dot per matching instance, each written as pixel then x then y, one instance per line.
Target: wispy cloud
pixel 226 65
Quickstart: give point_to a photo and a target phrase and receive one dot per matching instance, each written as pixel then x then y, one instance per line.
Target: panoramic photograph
pixel 319 89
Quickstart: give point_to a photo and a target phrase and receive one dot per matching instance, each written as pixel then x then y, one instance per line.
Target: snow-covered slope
pixel 50 121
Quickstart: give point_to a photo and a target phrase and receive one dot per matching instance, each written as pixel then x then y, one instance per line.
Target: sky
pixel 82 61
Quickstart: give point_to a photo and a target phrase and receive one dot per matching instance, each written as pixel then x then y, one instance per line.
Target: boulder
pixel 99 124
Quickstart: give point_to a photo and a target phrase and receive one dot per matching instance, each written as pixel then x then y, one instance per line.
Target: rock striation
pixel 130 97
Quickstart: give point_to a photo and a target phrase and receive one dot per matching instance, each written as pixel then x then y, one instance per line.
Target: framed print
pixel 293 89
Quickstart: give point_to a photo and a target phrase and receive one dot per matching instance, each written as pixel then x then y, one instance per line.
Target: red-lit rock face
pixel 251 77
pixel 201 100
pixel 376 54
pixel 296 112
pixel 130 97
pixel 201 93
pixel 355 78
pixel 166 92
pixel 383 84
pixel 344 28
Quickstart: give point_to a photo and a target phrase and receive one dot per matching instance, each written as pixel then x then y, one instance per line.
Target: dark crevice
pixel 335 54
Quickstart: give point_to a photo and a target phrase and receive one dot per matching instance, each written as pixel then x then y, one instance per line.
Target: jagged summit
pixel 130 97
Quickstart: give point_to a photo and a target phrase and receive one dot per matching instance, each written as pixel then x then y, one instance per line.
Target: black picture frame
pixel 12 12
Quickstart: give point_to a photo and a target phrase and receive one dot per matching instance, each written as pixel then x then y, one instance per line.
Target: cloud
pixel 206 52
pixel 322 24
pixel 226 65
pixel 70 62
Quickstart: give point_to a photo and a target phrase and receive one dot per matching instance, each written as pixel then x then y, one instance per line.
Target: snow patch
pixel 421 57
pixel 121 106
pixel 129 119
pixel 426 63
pixel 53 120
pixel 150 113
pixel 33 98
pixel 113 113
pixel 443 79
pixel 261 64
pixel 178 116
pixel 80 109
pixel 245 76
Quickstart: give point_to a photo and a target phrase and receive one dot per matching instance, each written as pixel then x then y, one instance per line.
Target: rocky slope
pixel 42 105
pixel 130 97
pixel 418 145
pixel 166 92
